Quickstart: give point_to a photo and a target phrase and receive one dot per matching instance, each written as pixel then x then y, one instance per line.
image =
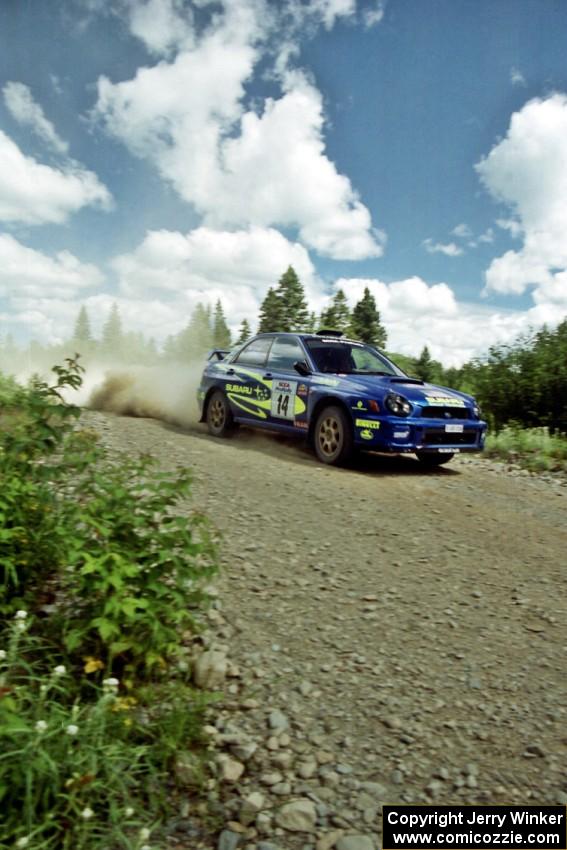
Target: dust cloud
pixel 158 392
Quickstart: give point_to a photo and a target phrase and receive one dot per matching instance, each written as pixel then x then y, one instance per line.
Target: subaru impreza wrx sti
pixel 341 394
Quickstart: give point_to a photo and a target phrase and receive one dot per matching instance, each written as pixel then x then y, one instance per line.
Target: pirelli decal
pixel 371 424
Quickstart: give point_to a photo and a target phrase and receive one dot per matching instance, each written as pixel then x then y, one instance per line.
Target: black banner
pixel 478 827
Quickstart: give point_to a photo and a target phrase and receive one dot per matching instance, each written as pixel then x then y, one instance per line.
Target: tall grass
pixel 533 448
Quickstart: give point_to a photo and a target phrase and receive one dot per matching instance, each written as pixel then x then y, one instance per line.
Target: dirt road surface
pixel 409 626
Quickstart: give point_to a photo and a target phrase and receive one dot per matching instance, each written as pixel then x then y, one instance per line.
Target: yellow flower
pixel 92 664
pixel 124 704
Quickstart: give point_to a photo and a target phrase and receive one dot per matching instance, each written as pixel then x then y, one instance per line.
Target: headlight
pixel 476 412
pixel 398 405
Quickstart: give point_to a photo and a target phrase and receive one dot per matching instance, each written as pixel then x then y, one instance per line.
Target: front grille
pixel 439 437
pixel 446 412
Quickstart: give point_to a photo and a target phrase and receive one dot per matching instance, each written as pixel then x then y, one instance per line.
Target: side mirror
pixel 302 367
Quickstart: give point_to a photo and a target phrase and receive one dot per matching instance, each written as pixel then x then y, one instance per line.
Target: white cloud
pixel 517 78
pixel 462 231
pixel 33 193
pixel 527 171
pixel 20 103
pixel 204 265
pixel 511 225
pixel 236 166
pixel 161 24
pixel 417 314
pixel 450 249
pixel 29 274
pixel 374 13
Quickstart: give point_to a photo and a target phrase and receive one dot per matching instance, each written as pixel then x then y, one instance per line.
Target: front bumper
pixel 393 434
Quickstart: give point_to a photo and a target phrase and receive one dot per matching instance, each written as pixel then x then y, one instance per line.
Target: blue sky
pixel 157 153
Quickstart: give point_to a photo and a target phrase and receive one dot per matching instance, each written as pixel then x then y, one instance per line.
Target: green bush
pixel 102 568
pixel 534 448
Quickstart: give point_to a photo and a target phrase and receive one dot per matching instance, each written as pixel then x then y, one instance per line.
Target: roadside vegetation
pixel 533 448
pixel 103 570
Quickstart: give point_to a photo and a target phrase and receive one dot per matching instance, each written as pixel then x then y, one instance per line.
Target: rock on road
pixel 409 626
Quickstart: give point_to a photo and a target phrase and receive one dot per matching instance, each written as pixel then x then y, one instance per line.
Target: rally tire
pixel 219 417
pixel 433 460
pixel 332 436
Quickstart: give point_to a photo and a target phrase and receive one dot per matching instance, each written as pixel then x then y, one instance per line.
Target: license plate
pixel 454 429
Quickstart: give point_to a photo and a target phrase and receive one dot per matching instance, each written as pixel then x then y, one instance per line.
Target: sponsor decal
pixel 454 429
pixel 328 382
pixel 401 435
pixel 444 401
pixel 448 451
pixel 359 406
pixel 367 423
pixel 299 423
pixel 238 388
pixel 283 399
pixel 366 434
pixel 302 389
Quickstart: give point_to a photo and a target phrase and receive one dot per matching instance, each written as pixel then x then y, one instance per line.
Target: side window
pixel 363 359
pixel 285 352
pixel 255 352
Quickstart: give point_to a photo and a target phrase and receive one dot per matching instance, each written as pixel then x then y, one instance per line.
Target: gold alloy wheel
pixel 217 413
pixel 330 436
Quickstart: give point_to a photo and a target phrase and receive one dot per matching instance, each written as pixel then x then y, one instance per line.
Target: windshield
pixel 349 358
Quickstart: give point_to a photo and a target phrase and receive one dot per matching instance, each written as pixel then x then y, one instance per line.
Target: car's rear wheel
pixel 430 459
pixel 332 436
pixel 219 415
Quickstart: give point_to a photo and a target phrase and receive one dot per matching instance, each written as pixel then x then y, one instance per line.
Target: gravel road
pixel 395 635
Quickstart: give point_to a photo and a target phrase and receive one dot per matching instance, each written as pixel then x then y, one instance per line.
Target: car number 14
pixel 283 399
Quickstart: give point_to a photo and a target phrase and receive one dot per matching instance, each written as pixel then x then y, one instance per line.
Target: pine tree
pixel 426 368
pixel 82 331
pixel 271 313
pixel 337 316
pixel 295 316
pixel 197 337
pixel 365 323
pixel 221 332
pixel 112 336
pixel 311 326
pixel 244 332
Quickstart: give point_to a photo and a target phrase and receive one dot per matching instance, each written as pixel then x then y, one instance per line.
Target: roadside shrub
pixel 535 448
pixel 102 570
pixel 82 772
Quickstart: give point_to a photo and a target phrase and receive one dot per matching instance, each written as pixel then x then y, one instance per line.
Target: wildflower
pixel 60 670
pixel 145 847
pixel 145 833
pixel 110 683
pixel 72 730
pixel 21 615
pixel 23 842
pixel 92 664
pixel 41 726
pixel 21 625
pixel 129 811
pixel 87 813
pixel 2 654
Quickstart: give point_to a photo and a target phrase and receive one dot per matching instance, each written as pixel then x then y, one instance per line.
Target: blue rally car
pixel 341 394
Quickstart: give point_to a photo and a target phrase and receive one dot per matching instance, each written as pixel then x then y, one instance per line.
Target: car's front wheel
pixel 430 459
pixel 219 416
pixel 332 436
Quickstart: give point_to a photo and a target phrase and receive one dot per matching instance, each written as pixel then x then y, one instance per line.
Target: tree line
pixel 524 383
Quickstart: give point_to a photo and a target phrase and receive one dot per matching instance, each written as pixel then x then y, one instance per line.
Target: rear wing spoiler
pixel 219 353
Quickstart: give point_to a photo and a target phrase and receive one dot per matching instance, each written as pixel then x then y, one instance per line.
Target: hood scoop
pixel 407 381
